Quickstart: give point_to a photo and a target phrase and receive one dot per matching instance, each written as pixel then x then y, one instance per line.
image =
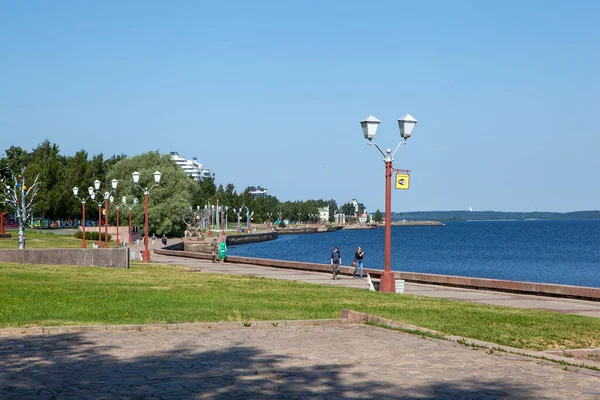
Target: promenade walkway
pixel 557 304
pixel 326 359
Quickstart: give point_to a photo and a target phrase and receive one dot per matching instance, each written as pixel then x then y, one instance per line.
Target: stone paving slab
pixel 326 362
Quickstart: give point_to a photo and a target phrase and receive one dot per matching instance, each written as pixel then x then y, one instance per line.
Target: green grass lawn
pixel 40 239
pixel 35 295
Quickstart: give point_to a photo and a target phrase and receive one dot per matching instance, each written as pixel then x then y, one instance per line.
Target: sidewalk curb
pixel 357 317
pixel 49 330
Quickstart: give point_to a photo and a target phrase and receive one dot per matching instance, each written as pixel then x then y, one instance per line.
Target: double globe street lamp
pixel 369 127
pixel 90 192
pixel 136 178
pixel 106 198
pixel 130 208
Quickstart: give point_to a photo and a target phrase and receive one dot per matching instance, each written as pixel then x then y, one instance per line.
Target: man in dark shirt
pixel 336 261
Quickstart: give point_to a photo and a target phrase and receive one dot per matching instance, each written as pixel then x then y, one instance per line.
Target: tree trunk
pixel 21 230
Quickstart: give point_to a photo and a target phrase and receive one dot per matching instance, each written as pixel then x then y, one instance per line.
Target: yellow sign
pixel 402 181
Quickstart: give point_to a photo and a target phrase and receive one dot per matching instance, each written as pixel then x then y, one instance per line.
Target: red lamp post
pixel 130 208
pixel 112 202
pixel 107 195
pixel 136 177
pixel 369 126
pixel 75 192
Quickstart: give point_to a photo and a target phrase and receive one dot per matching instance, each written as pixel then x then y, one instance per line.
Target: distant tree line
pixel 177 192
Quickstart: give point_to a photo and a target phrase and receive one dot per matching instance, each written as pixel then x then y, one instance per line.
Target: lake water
pixel 563 252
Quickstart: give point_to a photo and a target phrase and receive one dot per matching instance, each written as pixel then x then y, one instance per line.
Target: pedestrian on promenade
pixel 214 246
pixel 223 250
pixel 164 239
pixel 336 261
pixel 153 239
pixel 358 262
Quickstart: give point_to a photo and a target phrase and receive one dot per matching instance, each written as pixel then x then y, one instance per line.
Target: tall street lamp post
pixel 248 217
pixel 239 215
pixel 93 196
pixel 136 178
pixel 107 195
pixel 369 127
pixel 117 205
pixel 90 192
pixel 130 208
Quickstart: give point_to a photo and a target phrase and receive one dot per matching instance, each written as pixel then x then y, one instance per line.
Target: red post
pixel 106 223
pixel 222 223
pixel 388 280
pixel 99 224
pixel 130 229
pixel 83 246
pixel 118 241
pixel 146 253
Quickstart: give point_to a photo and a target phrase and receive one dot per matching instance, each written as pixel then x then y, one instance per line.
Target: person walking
pixel 358 262
pixel 214 246
pixel 336 261
pixel 153 239
pixel 164 239
pixel 223 250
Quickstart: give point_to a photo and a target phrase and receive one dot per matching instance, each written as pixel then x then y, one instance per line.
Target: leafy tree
pixel 349 210
pixel 167 202
pixel 377 217
pixel 53 197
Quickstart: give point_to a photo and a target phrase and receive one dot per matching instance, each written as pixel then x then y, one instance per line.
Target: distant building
pixel 192 167
pixel 324 214
pixel 363 218
pixel 257 191
pixel 339 218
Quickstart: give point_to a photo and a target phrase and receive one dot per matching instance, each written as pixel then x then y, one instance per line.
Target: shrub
pixel 93 235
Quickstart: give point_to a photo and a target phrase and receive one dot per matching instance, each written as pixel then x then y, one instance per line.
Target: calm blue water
pixel 563 252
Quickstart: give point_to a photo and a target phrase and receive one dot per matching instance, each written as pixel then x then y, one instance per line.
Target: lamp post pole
pixel 107 195
pixel 90 191
pixel 369 127
pixel 239 215
pixel 130 208
pixel 136 177
pixel 112 199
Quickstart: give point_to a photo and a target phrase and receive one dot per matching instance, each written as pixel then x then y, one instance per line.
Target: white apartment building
pixel 324 214
pixel 257 191
pixel 192 167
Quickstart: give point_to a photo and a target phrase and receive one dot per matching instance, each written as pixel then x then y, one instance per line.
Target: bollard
pixel 400 286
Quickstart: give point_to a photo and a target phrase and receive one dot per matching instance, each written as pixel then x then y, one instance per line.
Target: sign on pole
pixel 402 181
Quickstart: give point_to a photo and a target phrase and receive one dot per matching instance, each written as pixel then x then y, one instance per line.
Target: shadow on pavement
pixel 72 366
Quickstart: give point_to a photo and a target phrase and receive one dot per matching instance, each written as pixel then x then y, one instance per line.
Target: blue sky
pixel 271 93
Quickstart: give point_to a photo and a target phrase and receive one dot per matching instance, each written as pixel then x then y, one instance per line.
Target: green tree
pixel 54 199
pixel 377 217
pixel 349 210
pixel 167 201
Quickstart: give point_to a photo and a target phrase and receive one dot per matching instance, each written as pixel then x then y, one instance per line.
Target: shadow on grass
pixel 72 366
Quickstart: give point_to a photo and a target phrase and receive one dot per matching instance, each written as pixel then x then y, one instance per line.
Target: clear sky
pixel 270 93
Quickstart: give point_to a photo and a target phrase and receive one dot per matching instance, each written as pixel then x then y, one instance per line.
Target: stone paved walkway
pixel 325 362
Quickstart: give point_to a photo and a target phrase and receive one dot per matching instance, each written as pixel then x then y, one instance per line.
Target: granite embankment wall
pixel 111 258
pixel 541 289
pixel 204 246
